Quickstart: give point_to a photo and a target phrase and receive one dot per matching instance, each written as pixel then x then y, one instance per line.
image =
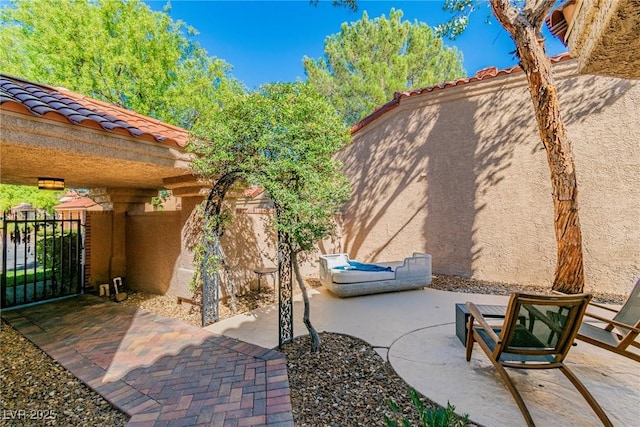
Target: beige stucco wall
pixel 248 243
pixel 461 173
pixel 153 247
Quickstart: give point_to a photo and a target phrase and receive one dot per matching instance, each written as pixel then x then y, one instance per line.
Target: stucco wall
pixel 247 243
pixel 153 247
pixel 461 173
pixel 604 37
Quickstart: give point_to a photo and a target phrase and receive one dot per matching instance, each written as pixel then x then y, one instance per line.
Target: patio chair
pixel 618 334
pixel 539 342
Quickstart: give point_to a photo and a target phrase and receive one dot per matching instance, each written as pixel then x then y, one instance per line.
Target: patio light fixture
pixel 51 183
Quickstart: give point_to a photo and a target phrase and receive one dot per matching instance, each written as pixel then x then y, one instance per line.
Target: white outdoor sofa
pixel 412 273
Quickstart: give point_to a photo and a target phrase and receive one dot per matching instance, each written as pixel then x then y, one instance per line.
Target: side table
pixel 261 271
pixel 462 317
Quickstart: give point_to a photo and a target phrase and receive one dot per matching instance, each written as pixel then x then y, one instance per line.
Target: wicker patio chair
pixel 540 343
pixel 618 334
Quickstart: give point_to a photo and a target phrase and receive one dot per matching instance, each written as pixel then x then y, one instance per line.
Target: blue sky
pixel 265 41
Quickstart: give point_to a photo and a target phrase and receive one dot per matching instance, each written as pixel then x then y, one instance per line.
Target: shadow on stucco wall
pixel 583 96
pixel 247 245
pixel 414 185
pixel 380 169
pixel 462 179
pixel 451 186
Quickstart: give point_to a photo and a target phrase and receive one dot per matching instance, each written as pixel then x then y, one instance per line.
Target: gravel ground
pixel 347 384
pixel 35 390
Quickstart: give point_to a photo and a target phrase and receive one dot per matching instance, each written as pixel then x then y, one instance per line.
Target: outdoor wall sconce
pixel 51 183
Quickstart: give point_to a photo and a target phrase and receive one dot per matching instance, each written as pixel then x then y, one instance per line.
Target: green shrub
pixel 441 417
pixel 51 251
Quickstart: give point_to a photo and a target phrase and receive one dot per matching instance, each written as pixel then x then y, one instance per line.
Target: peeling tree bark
pixel 524 28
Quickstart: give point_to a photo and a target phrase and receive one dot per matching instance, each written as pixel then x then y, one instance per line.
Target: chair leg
pixel 587 396
pixel 470 339
pixel 514 392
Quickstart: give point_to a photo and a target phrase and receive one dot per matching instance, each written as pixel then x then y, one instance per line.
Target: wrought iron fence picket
pixel 37 274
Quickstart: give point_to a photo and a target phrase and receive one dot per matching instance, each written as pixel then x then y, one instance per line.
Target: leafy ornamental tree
pixel 370 60
pixel 523 20
pixel 300 175
pixel 282 138
pixel 117 51
pixel 13 195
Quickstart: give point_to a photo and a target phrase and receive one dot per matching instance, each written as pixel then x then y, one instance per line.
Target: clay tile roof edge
pixel 173 135
pixel 483 74
pixel 77 96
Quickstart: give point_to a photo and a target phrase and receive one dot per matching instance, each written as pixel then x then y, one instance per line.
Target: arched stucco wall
pixel 461 173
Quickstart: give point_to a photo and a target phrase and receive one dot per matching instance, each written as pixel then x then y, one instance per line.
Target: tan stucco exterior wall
pixel 153 248
pixel 461 173
pixel 248 243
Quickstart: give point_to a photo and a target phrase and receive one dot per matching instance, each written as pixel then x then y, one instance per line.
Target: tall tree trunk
pixel 524 28
pixel 313 334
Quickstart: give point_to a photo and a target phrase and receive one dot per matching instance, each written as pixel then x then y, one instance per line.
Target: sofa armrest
pixel 418 266
pixel 327 262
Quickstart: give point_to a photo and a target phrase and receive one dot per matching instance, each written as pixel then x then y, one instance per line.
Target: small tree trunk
pixel 569 275
pixel 313 334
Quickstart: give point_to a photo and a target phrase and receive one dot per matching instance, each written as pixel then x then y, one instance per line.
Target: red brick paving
pixel 160 371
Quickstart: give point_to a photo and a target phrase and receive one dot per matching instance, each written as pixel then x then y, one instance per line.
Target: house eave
pixel 604 37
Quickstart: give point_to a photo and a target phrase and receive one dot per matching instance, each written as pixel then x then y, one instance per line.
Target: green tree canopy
pixel 117 51
pixel 13 195
pixel 370 60
pixel 298 171
pixel 283 138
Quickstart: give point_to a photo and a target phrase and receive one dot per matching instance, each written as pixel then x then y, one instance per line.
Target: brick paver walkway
pixel 160 371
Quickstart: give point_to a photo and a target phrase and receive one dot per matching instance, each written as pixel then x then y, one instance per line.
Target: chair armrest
pixel 604 307
pixel 475 313
pixel 594 304
pixel 635 328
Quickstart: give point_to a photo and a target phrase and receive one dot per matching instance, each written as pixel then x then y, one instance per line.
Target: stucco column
pixel 192 192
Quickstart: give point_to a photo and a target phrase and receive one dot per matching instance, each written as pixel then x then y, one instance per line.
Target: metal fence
pixel 42 257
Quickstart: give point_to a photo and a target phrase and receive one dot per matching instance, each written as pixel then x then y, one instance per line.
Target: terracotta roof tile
pixel 77 202
pixel 484 74
pixel 253 191
pixel 59 103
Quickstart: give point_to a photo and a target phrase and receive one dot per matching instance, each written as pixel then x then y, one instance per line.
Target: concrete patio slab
pixel 415 332
pixel 432 360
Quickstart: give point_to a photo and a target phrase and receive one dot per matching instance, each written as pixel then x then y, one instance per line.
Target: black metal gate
pixel 42 257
